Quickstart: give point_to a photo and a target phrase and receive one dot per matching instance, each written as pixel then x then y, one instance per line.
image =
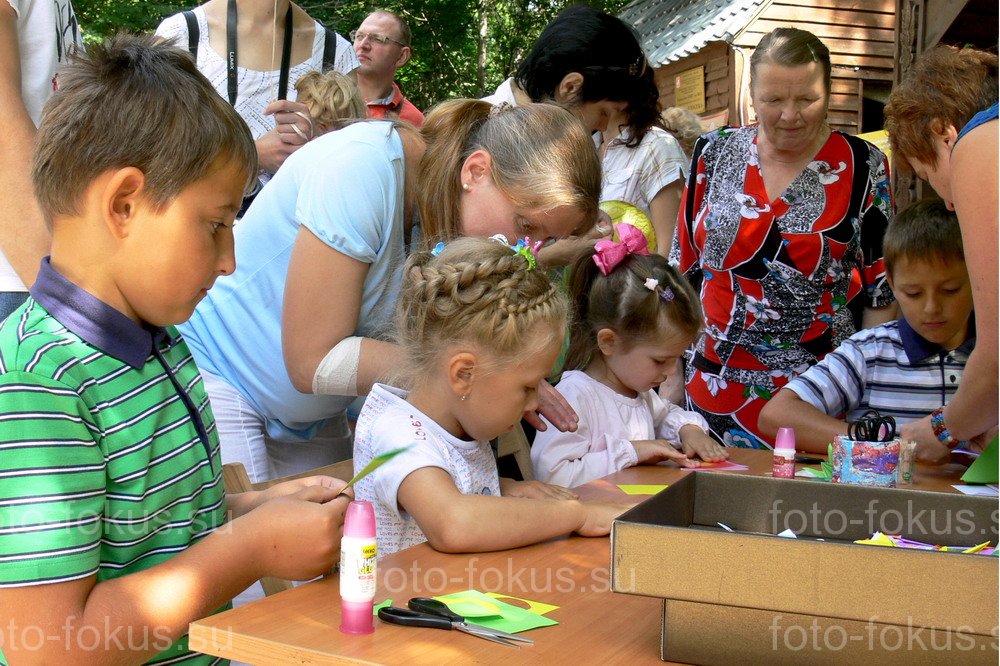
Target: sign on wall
pixel 689 89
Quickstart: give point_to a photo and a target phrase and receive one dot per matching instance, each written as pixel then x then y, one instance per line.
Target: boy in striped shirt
pixel 111 501
pixel 907 368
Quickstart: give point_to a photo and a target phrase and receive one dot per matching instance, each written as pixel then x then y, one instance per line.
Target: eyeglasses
pixel 358 36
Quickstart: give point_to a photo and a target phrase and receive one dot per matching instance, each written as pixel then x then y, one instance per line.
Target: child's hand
pixel 652 451
pixel 929 448
pixel 297 536
pixel 295 485
pixel 535 490
pixel 696 442
pixel 599 516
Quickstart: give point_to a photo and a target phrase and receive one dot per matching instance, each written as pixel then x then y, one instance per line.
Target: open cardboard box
pixel 750 597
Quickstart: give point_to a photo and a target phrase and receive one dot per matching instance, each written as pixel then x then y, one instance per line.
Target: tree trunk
pixel 481 48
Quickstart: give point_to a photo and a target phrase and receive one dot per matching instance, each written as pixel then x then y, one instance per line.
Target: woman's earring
pixel 464 397
pixel 465 186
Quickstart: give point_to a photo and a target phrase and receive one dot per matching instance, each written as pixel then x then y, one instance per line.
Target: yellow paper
pixel 641 489
pixel 878 539
pixel 976 549
pixel 536 607
pixel 470 606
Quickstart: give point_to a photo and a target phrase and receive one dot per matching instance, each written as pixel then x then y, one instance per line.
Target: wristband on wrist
pixel 940 430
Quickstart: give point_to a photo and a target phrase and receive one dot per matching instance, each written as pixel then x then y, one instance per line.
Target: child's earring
pixel 464 397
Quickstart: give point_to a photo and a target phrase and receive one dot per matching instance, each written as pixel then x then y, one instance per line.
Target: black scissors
pixel 426 612
pixel 872 427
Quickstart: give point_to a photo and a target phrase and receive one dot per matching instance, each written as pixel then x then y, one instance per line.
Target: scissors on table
pixel 872 427
pixel 426 612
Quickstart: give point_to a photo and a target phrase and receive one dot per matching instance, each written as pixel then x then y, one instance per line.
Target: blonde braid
pixel 479 292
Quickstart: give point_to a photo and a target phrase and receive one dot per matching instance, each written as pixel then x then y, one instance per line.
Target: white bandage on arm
pixel 337 373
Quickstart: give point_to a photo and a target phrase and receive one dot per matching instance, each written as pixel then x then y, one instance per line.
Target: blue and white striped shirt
pixel 890 368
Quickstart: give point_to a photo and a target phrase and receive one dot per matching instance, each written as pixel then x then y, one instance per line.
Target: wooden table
pixel 300 626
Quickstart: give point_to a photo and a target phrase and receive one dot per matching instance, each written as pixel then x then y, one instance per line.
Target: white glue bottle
pixel 357 569
pixel 784 454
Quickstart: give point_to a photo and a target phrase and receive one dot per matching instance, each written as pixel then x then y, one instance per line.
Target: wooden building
pixel 701 50
pixel 921 25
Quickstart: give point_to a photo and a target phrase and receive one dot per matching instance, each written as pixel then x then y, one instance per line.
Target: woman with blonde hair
pixel 304 325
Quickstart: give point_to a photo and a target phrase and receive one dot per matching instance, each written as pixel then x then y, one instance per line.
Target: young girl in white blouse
pixel 635 317
pixel 480 326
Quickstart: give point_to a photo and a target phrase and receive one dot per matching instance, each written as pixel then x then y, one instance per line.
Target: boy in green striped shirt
pixel 111 502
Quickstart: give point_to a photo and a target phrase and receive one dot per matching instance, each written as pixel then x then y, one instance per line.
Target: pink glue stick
pixel 784 454
pixel 357 569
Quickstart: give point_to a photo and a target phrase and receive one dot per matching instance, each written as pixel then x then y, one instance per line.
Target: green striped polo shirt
pixel 109 456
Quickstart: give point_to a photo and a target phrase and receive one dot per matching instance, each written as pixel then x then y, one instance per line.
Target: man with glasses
pixel 382 43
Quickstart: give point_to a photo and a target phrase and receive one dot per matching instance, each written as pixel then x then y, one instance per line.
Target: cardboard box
pixel 751 596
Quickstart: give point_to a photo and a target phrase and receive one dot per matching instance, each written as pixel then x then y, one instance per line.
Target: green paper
pixel 641 489
pixel 511 619
pixel 375 463
pixel 985 468
pixel 384 604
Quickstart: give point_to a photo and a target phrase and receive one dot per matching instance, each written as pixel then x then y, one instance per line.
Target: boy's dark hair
pixel 133 101
pixel 924 230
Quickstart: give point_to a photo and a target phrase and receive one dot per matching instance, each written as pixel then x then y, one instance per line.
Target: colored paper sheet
pixel 511 619
pixel 387 602
pixel 985 468
pixel 896 541
pixel 988 490
pixel 536 607
pixel 810 473
pixel 878 539
pixel 473 606
pixel 641 488
pixel 375 463
pixel 721 466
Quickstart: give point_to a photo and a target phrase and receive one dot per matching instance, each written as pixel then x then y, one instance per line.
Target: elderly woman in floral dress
pixel 781 229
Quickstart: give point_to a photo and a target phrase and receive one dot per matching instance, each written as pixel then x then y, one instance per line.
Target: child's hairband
pixel 666 293
pixel 608 254
pixel 525 248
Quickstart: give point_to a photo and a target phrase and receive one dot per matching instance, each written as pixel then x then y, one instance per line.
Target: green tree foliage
pixel 461 48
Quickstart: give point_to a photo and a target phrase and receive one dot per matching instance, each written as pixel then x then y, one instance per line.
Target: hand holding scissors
pixel 426 612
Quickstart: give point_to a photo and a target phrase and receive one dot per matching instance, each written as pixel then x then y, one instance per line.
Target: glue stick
pixel 784 454
pixel 357 569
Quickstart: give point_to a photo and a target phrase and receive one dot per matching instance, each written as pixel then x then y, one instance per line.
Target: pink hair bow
pixel 608 254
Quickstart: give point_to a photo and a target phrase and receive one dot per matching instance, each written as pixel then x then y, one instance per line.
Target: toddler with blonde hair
pixel 332 99
pixel 480 326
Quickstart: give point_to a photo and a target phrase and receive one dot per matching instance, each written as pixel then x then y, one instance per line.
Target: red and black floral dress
pixel 776 277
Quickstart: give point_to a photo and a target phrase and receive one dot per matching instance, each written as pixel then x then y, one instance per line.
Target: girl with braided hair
pixel 635 316
pixel 479 329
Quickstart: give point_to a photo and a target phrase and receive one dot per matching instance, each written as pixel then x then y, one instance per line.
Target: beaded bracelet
pixel 940 430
